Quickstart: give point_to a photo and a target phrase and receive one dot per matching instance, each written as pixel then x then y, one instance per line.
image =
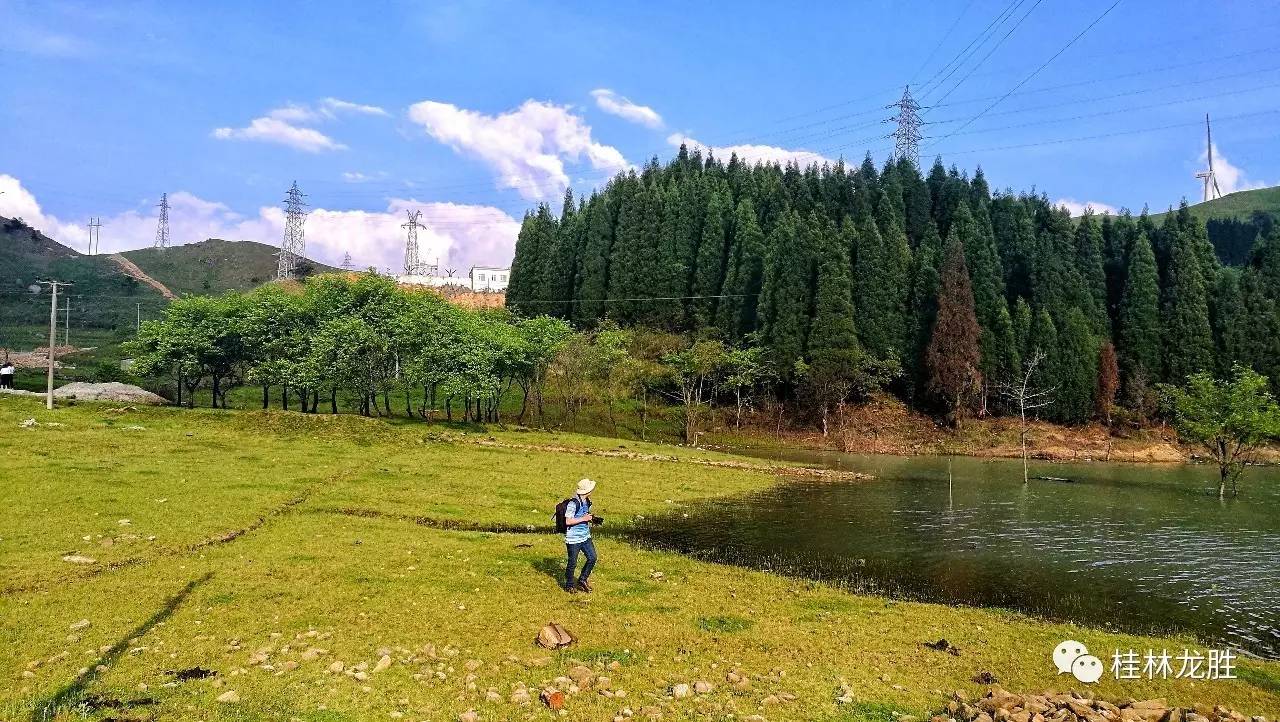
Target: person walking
pixel 577 537
pixel 6 375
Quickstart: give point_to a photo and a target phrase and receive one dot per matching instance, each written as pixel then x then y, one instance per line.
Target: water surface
pixel 1145 548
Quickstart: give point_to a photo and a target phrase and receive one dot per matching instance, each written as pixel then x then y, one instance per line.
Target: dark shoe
pixel 584 586
pixel 571 589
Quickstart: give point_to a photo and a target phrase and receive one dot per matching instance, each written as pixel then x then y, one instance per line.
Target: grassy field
pixel 268 547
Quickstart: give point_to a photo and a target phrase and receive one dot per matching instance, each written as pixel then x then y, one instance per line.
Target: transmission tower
pixel 413 266
pixel 347 265
pixel 906 138
pixel 95 235
pixel 162 226
pixel 1210 180
pixel 294 244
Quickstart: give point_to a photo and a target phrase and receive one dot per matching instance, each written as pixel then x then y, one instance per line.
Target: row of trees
pixel 851 280
pixel 362 343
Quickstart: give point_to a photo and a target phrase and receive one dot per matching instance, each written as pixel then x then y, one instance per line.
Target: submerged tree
pixel 1231 419
pixel 1025 396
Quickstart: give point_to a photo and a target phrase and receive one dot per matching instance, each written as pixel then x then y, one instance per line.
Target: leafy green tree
pixel 745 370
pixel 542 337
pixel 1230 419
pixel 695 372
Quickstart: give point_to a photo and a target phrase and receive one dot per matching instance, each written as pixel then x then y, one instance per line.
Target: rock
pixel 680 691
pixel 520 696
pixel 468 716
pixel 382 664
pixel 109 391
pixel 770 700
pixel 473 664
pixel 492 696
pixel 582 675
pixel 554 636
pixel 651 712
pixel 702 687
pixel 602 683
pixel 229 697
pixel 361 676
pixel 336 667
pixel 79 559
pixel 552 698
pixel 733 678
pixel 80 625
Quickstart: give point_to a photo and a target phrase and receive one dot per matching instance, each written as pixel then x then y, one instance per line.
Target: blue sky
pixel 474 112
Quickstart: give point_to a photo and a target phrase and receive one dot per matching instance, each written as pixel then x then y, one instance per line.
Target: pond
pixel 1142 548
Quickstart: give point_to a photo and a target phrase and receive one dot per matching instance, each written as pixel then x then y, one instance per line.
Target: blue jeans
pixel 588 550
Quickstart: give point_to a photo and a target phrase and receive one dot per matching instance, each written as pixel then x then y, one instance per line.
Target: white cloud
pixel 527 147
pixel 274 130
pixel 614 104
pixel 458 235
pixel 751 153
pixel 355 176
pixel 283 125
pixel 1077 208
pixel 1230 178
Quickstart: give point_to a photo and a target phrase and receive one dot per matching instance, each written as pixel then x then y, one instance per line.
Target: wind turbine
pixel 1210 180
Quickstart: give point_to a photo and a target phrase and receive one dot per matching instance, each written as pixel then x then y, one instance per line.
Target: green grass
pixel 255 549
pixel 1239 205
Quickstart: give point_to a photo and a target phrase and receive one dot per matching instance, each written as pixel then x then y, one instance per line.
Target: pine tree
pixel 1188 339
pixel 1259 333
pixel 534 247
pixel 560 269
pixel 1092 273
pixel 710 265
pixel 975 232
pixel 737 312
pixel 1139 322
pixel 1227 312
pixel 1022 329
pixel 1076 366
pixel 835 358
pixel 596 250
pixel 922 309
pixel 954 354
pixel 787 294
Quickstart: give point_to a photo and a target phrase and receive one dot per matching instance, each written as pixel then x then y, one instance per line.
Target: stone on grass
pixel 80 625
pixel 109 391
pixel 702 687
pixel 229 697
pixel 382 664
pixel 520 696
pixel 79 559
pixel 552 698
pixel 680 690
pixel 468 716
pixel 336 667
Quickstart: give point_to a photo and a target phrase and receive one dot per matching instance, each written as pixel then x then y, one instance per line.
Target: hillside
pixel 214 266
pixel 1235 220
pixel 102 296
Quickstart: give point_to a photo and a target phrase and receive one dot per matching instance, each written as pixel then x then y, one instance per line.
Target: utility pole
pixel 95 235
pixel 162 226
pixel 53 336
pixel 412 264
pixel 66 329
pixel 293 246
pixel 1210 179
pixel 139 329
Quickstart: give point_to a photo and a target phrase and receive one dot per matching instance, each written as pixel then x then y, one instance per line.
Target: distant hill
pixel 104 296
pixel 215 266
pixel 1235 220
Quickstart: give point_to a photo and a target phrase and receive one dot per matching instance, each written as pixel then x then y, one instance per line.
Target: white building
pixel 489 278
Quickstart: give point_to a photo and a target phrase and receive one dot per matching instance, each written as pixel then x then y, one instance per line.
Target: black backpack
pixel 562 516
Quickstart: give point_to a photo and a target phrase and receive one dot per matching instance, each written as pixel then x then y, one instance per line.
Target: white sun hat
pixel 585 487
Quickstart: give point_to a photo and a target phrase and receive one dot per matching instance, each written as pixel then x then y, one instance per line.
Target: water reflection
pixel 1144 548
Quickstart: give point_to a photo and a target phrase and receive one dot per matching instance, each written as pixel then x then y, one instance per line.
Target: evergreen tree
pixel 787 294
pixel 922 308
pixel 1188 339
pixel 535 245
pixel 1076 367
pixel 1139 322
pixel 710 265
pixel 983 261
pixel 561 268
pixel 737 312
pixel 1022 328
pixel 1227 313
pixel 835 359
pixel 1092 273
pixel 597 247
pixel 954 355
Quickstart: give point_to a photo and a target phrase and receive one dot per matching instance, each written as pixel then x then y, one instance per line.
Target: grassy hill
pixel 105 301
pixel 214 266
pixel 1239 206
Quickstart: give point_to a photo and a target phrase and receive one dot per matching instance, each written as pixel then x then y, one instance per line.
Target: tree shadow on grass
pixel 73 693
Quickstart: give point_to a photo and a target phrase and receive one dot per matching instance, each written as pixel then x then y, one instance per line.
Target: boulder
pixel 109 391
pixel 554 636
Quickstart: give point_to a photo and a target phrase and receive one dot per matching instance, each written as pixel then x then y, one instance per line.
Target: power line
pixel 1108 135
pixel 993 49
pixel 981 36
pixel 945 37
pixel 1036 72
